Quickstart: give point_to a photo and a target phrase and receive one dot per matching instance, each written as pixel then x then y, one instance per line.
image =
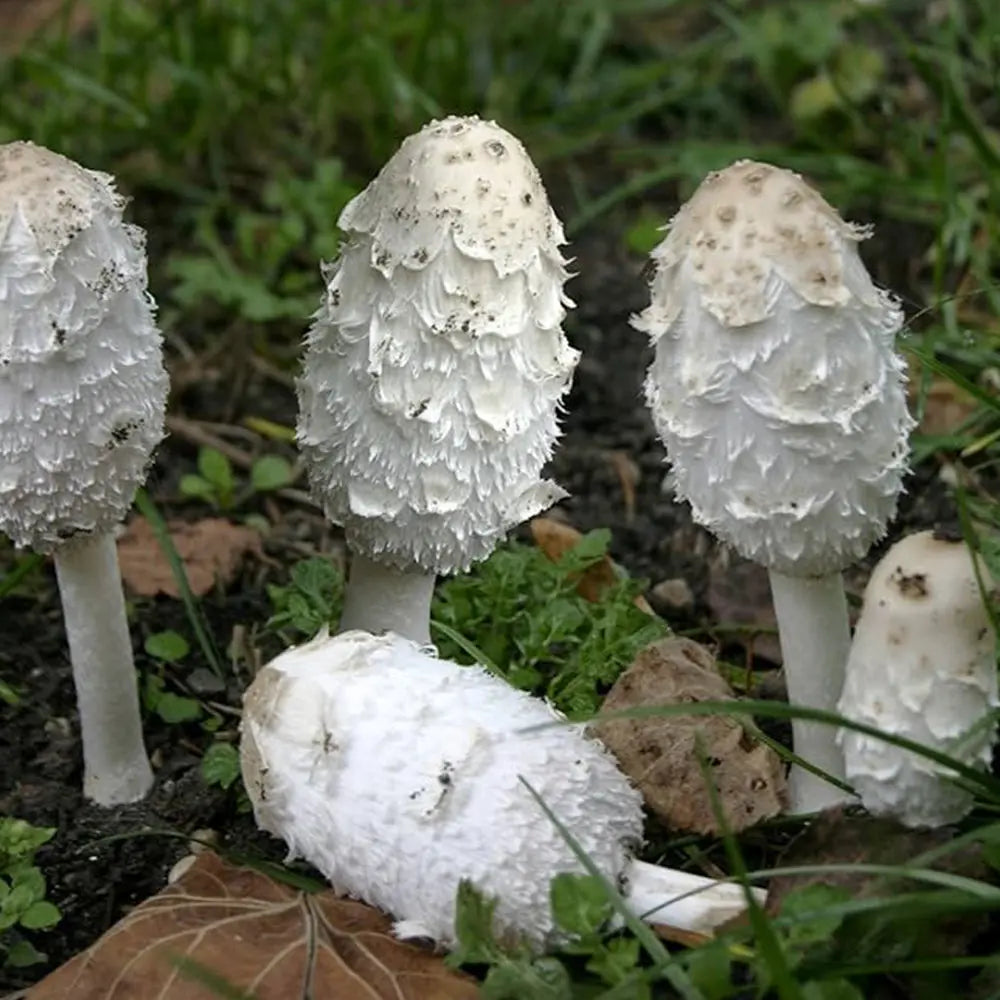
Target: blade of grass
pixel 466 646
pixel 768 942
pixel 195 617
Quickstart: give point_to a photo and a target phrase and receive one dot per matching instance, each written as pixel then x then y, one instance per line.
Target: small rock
pixel 203 840
pixel 672 596
pixel 202 681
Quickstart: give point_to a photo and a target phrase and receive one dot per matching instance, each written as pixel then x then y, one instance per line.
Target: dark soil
pixel 101 862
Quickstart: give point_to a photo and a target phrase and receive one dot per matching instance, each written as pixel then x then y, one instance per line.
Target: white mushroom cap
pixel 82 382
pixel 775 387
pixel 397 774
pixel 922 666
pixel 436 363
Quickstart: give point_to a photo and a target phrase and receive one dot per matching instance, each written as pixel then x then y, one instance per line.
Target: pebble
pixel 672 595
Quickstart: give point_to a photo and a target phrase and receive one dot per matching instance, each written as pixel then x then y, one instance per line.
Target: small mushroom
pixel 82 397
pixel 398 775
pixel 435 366
pixel 777 392
pixel 922 666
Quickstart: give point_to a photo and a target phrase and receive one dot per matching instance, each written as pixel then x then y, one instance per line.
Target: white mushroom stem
pixel 681 899
pixel 381 599
pixel 115 766
pixel 814 632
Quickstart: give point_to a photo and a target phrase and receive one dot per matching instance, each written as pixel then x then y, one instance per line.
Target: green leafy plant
pixel 311 599
pixel 592 955
pixel 522 613
pixel 518 613
pixel 220 767
pixel 23 906
pixel 262 264
pixel 167 648
pixel 215 482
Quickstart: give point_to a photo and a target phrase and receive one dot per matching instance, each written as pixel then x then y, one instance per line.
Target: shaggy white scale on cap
pixel 922 666
pixel 82 382
pixel 775 386
pixel 777 392
pixel 437 361
pixel 398 774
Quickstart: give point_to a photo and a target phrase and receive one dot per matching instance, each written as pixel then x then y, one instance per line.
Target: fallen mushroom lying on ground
pixel 782 405
pixel 82 397
pixel 398 775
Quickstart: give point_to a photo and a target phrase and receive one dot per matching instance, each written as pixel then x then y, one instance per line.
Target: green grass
pixel 241 127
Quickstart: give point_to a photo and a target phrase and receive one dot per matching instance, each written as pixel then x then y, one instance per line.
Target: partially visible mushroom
pixel 781 402
pixel 398 774
pixel 435 366
pixel 82 397
pixel 923 666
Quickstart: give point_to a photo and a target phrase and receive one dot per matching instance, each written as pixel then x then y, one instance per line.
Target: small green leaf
pixel 813 98
pixel 173 708
pixel 195 486
pixel 588 550
pixel 14 904
pixel 473 927
pixel 31 879
pixel 40 915
pixel 831 989
pixel 859 71
pixel 271 472
pixel 710 969
pixel 168 646
pixel 616 960
pixel 221 764
pixel 544 978
pixel 19 840
pixel 215 467
pixel 805 906
pixel 22 954
pixel 579 903
pixel 644 233
pixel 9 695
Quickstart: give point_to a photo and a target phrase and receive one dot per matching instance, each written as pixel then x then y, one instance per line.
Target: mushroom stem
pixel 815 636
pixel 683 900
pixel 381 599
pixel 115 766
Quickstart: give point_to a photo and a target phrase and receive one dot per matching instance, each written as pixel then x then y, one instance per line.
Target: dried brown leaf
pixel 263 939
pixel 556 539
pixel 212 551
pixel 946 406
pixel 661 755
pixel 629 476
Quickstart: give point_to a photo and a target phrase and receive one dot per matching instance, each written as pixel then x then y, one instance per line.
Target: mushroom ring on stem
pixel 398 775
pixel 777 392
pixel 82 397
pixel 435 366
